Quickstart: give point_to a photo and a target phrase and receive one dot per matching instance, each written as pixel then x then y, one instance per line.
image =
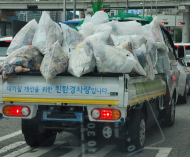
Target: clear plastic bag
pixel 102 28
pixel 71 38
pixel 26 58
pixel 47 33
pixel 163 62
pixel 98 18
pixel 100 37
pixel 145 61
pixel 82 60
pixel 54 62
pixel 23 37
pixel 86 29
pixel 152 50
pixel 152 31
pixel 126 28
pixel 161 46
pixel 112 60
pixel 123 42
pixel 138 41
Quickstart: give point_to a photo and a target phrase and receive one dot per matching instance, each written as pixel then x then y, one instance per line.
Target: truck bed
pixel 90 89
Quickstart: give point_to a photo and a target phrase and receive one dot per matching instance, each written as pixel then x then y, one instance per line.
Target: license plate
pixel 62 116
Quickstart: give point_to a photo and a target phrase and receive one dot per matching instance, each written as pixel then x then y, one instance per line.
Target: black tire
pixel 31 140
pixel 169 118
pixel 44 140
pixel 140 134
pixel 184 97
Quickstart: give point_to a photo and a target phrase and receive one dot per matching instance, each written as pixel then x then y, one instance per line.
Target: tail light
pixel 174 77
pixel 177 46
pixel 19 111
pixel 106 114
pixel 8 41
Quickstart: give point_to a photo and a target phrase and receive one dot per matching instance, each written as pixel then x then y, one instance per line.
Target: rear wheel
pixel 45 139
pixel 169 118
pixel 140 133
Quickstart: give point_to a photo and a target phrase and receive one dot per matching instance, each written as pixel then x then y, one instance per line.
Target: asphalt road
pixel 176 143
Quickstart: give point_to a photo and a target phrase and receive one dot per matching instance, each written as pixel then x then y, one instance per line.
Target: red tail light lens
pixel 20 111
pixel 106 114
pixel 176 45
pixel 173 77
pixel 8 41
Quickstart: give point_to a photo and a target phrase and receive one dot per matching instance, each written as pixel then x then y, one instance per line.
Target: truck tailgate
pixel 64 89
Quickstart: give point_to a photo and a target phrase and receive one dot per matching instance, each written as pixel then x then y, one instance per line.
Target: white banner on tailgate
pixel 55 89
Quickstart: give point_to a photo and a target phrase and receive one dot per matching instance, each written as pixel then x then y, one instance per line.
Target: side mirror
pixel 181 52
pixel 188 64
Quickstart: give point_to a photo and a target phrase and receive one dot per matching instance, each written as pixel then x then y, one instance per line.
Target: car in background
pixel 4 44
pixel 184 75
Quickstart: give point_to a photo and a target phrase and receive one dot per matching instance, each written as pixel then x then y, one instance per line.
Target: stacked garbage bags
pixel 99 46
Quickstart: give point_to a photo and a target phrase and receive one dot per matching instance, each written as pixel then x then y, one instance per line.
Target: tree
pixel 97 5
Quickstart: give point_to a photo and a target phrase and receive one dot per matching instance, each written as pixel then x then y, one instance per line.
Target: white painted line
pixel 77 150
pixel 41 150
pixel 10 135
pixel 163 152
pixel 102 151
pixel 11 146
pixel 19 152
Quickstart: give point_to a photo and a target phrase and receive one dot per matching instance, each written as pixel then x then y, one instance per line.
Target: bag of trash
pixel 100 37
pixel 54 62
pixel 163 62
pixel 138 41
pixel 157 34
pixel 145 61
pixel 161 46
pixel 112 60
pixel 23 37
pixel 152 50
pixel 82 60
pixel 123 42
pixel 26 58
pixel 98 18
pixel 71 38
pixel 126 28
pixel 47 33
pixel 86 29
pixel 102 27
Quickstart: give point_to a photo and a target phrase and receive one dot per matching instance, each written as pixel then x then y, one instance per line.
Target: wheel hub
pixel 107 132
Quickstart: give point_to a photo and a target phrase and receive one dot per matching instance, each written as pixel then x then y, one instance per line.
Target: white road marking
pixel 19 152
pixel 77 150
pixel 11 146
pixel 163 152
pixel 10 135
pixel 41 150
pixel 102 151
